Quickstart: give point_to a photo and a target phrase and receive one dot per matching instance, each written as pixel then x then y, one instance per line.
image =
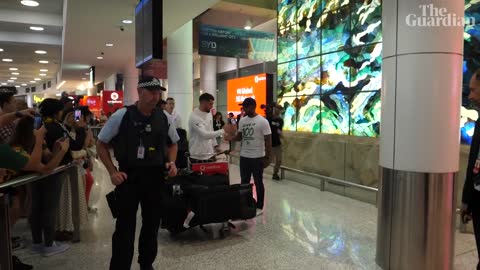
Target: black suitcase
pixel 218 204
pixel 209 203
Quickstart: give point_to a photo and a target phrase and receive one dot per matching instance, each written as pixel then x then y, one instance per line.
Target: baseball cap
pixel 150 83
pixel 248 102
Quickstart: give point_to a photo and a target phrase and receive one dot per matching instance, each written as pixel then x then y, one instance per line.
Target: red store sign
pixel 112 100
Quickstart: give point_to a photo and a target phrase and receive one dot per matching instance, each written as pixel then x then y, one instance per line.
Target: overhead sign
pixel 240 89
pixel 38 99
pixel 94 103
pixel 112 100
pixel 238 43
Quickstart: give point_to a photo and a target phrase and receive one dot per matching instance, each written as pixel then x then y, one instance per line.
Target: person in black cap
pixel 145 146
pixel 256 148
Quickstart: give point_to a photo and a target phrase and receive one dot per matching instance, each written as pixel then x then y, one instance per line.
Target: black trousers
pixel 45 202
pixel 249 167
pixel 142 187
pixel 476 230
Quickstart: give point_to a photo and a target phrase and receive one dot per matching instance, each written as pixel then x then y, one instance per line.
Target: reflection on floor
pixel 302 228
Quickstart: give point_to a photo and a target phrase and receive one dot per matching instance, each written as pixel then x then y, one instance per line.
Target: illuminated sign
pixel 37 99
pixel 112 100
pixel 256 87
pixel 236 43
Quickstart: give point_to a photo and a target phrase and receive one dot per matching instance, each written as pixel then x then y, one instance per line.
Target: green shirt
pixel 11 159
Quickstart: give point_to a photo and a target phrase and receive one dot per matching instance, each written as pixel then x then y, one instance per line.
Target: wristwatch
pixel 18 114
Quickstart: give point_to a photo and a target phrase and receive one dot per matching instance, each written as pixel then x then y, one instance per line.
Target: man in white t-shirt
pixel 170 111
pixel 256 148
pixel 203 142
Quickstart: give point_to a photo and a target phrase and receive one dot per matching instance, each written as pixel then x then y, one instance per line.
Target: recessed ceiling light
pixel 7 60
pixel 13 69
pixel 247 27
pixel 40 52
pixel 30 3
pixel 109 44
pixel 37 79
pixel 10 81
pixel 43 70
pixel 87 73
pixel 42 74
pixel 15 73
pixel 127 21
pixel 13 78
pixel 24 84
pixel 1 50
pixel 36 28
pixel 43 62
pixel 84 79
pixel 17 86
pixel 32 81
pixel 4 83
pixel 100 57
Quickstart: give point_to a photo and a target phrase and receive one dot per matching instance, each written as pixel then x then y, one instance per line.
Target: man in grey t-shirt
pixel 255 151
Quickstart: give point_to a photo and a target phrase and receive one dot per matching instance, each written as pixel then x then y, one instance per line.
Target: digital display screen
pixel 335 114
pixel 239 89
pixel 287 46
pixel 329 66
pixel 309 76
pixel 286 76
pixel 335 27
pixel 148 31
pixel 365 111
pixel 471 63
pixel 287 12
pixel 309 114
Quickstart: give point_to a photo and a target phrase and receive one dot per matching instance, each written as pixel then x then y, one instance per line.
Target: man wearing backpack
pixel 145 146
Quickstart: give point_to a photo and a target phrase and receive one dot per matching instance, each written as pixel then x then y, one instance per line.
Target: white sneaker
pixel 55 249
pixel 259 212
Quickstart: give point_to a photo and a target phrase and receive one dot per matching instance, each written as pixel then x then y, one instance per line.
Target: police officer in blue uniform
pixel 145 146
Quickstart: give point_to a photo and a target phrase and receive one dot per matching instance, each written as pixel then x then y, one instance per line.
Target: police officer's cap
pixel 150 83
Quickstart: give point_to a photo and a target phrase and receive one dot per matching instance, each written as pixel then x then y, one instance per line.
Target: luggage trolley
pixel 199 185
pixel 212 168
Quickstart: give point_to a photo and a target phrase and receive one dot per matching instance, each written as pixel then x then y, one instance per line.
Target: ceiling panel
pixel 46 6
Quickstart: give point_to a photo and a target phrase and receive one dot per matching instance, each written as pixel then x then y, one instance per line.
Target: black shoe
pixel 18 265
pixel 276 177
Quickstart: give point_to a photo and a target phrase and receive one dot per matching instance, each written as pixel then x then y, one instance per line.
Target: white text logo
pixel 432 16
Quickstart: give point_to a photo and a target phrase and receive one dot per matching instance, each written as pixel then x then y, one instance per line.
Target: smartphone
pixel 37 122
pixel 78 115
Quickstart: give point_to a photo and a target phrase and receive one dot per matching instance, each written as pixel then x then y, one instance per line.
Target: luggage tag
pixel 141 151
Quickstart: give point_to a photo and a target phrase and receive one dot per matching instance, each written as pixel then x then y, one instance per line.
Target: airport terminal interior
pixel 370 106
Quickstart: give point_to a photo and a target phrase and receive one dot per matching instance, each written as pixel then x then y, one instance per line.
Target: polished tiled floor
pixel 302 228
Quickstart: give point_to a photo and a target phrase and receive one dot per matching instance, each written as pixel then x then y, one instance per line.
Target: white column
pixel 110 82
pixel 419 143
pixel 180 69
pixel 208 75
pixel 130 82
pixel 92 91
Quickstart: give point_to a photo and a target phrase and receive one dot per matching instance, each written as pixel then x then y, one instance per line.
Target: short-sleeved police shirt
pixel 111 128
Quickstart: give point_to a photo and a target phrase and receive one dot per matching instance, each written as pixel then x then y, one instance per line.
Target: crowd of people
pixel 40 141
pixel 58 134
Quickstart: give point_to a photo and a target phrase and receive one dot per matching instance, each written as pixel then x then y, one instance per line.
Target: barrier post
pixel 5 242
